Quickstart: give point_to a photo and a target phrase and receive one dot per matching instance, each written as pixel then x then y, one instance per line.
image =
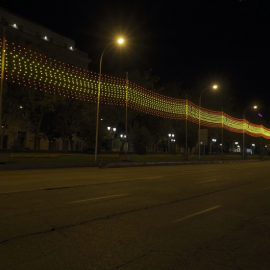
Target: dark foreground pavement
pixel 212 216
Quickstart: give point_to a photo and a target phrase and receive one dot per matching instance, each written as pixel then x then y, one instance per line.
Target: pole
pixel 2 82
pixel 126 138
pixel 199 139
pixel 98 100
pixel 222 134
pixel 186 123
pixel 261 152
pixel 244 135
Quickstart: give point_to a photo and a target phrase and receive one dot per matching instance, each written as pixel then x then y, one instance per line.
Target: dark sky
pixel 194 41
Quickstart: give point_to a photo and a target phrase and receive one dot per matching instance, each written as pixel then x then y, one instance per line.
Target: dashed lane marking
pixel 100 198
pixel 206 181
pixel 196 214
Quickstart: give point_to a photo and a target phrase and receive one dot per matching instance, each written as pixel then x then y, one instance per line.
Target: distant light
pixel 215 86
pixel 15 25
pixel 101 119
pixel 121 135
pixel 221 144
pixel 45 37
pixel 109 128
pixel 169 135
pixel 120 40
pixel 214 140
pixel 253 144
pixel 266 146
pixel 236 143
pixel 255 107
pixel 172 135
pixel 114 129
pixel 259 114
pixel 71 48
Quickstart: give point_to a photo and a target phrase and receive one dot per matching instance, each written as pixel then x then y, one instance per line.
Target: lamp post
pixel 244 127
pixel 2 83
pixel 123 138
pixel 120 41
pixel 236 145
pixel 213 143
pixel 253 148
pixel 112 132
pixel 170 137
pixel 199 141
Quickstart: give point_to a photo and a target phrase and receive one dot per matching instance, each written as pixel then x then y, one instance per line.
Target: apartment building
pixel 41 39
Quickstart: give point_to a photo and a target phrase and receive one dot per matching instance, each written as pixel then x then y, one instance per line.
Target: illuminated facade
pixel 35 37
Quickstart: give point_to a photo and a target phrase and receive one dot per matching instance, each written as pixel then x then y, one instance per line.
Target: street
pixel 192 217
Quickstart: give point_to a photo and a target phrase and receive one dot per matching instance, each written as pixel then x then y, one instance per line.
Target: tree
pixel 12 105
pixel 141 139
pixel 35 105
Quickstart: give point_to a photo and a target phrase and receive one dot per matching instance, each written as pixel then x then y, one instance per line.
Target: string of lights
pixel 43 73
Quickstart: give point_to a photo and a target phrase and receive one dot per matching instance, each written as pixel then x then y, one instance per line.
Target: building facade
pixel 40 39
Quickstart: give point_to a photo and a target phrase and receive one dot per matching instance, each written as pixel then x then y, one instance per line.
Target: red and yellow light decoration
pixel 44 73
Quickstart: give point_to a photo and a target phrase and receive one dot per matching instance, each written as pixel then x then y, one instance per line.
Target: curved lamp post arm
pixel 201 96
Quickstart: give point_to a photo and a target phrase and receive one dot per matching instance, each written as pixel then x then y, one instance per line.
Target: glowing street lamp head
pixel 215 86
pixel 120 41
pixel 255 107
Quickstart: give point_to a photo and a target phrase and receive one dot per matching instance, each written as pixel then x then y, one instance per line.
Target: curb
pixel 4 167
pixel 45 166
pixel 145 164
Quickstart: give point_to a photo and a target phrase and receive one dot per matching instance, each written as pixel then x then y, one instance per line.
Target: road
pixel 165 217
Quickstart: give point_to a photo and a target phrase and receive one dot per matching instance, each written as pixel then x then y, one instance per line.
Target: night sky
pixel 196 42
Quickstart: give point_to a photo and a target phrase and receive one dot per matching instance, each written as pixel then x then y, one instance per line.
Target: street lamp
pixel 170 139
pixel 199 141
pixel 213 143
pixel 236 145
pixel 3 55
pixel 120 41
pixel 253 148
pixel 123 138
pixel 112 132
pixel 244 119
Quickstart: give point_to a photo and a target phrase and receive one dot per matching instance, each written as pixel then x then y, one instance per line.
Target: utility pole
pixel 2 82
pixel 126 138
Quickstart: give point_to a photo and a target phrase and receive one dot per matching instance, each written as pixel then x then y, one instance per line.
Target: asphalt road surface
pixel 192 217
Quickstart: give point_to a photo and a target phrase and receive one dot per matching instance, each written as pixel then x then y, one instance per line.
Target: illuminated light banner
pixel 40 72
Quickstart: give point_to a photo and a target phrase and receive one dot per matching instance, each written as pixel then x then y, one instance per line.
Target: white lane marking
pixel 151 177
pixel 198 213
pixel 267 188
pixel 99 198
pixel 206 181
